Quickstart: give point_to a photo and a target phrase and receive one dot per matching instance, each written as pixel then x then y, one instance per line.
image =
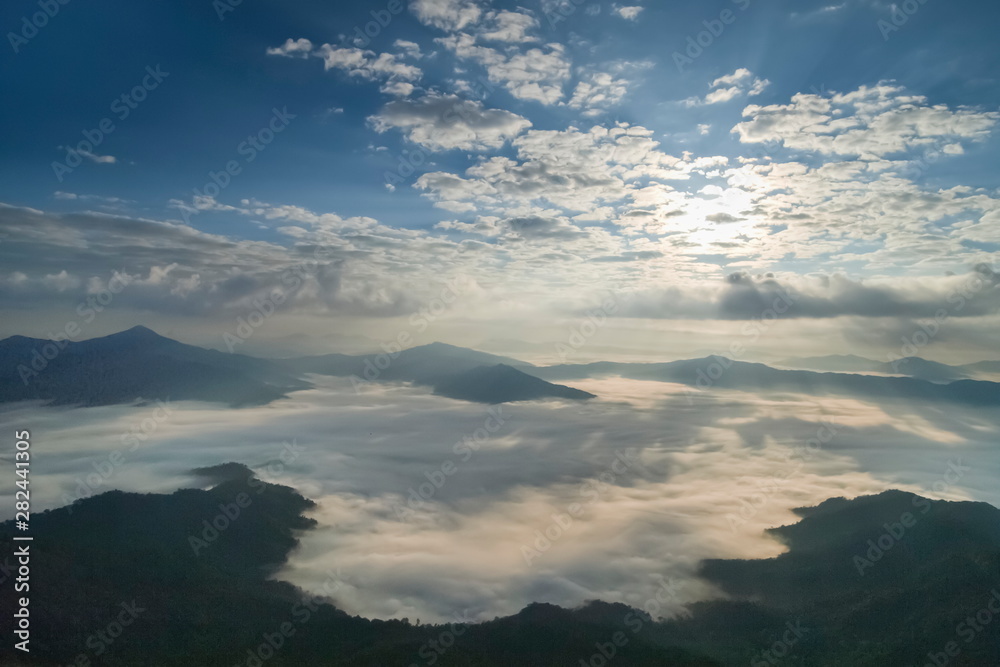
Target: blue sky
pixel 222 87
pixel 765 153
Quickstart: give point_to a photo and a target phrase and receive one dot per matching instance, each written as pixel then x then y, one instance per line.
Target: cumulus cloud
pixel 572 169
pixel 537 73
pixel 872 121
pixel 507 26
pixel 597 91
pixel 447 122
pixel 530 227
pixel 366 64
pixel 601 89
pixel 292 48
pixel 408 48
pixel 629 13
pixel 729 87
pixel 396 76
pixel 446 14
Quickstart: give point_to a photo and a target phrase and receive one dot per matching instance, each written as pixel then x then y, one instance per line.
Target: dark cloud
pixel 744 296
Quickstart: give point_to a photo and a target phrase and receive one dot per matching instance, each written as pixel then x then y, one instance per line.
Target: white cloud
pixel 366 64
pixel 537 74
pixel 395 74
pixel 446 14
pixel 630 13
pixel 739 76
pixel 397 88
pixel 446 122
pixel 98 159
pixel 107 201
pixel 507 26
pixel 61 281
pixel 292 48
pixel 571 170
pixel 729 87
pixel 408 48
pixel 597 91
pixel 869 122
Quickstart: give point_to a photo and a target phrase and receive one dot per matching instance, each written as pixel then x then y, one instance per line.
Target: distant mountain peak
pixel 139 331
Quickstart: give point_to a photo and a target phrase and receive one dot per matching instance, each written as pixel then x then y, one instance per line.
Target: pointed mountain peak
pixel 137 334
pixel 138 331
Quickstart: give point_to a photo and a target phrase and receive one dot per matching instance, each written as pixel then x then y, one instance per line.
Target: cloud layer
pixel 659 481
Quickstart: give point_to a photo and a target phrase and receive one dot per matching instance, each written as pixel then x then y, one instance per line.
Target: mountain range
pixel 140 365
pixel 916 367
pixel 135 365
pixel 890 579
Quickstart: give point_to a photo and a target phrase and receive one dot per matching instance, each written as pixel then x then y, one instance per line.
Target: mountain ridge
pixel 139 363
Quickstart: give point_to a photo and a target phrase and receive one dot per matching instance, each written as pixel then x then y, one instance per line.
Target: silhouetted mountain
pixel 931 371
pixel 132 365
pixel 502 384
pixel 188 574
pixel 892 579
pixel 424 365
pixel 454 372
pixel 835 363
pixel 139 364
pixel 726 373
pixel 916 367
pixel 879 580
pixel 983 367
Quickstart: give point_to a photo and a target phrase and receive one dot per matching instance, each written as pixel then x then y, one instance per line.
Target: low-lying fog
pixel 434 509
